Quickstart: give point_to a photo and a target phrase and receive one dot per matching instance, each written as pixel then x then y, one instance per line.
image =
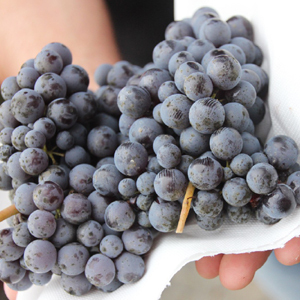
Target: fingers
pixel 237 270
pixel 290 254
pixel 10 294
pixel 208 267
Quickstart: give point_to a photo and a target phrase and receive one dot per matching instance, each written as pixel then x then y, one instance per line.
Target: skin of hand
pixel 236 271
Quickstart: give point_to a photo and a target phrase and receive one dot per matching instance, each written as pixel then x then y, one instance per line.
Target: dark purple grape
pixel 145 183
pixel 241 164
pixel 27 106
pixel 205 173
pixel 5 135
pixel 247 46
pixel 127 187
pixel 236 51
pixel 107 100
pixel 11 271
pixel 167 89
pixel 48 61
pixel 210 223
pixel 75 285
pixel 62 50
pixel 199 47
pixel 239 215
pixel 131 158
pixel 63 113
pixel 56 174
pixel 9 251
pixel 34 139
pixel 65 140
pixel 45 126
pixel 34 161
pixel 5 152
pixel 18 137
pixel 100 74
pixel 7 118
pixel 23 198
pixel 50 86
pixel 119 74
pixel 5 180
pixel 177 30
pixel 72 258
pixel 240 26
pixel 40 256
pixel 76 209
pixel 40 279
pixel 76 155
pixel 111 246
pixel 9 87
pixel 27 77
pixel 177 59
pixel 76 78
pixel 100 270
pixel 169 156
pixel 90 233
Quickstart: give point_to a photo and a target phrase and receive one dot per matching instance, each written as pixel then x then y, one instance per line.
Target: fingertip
pixel 290 254
pixel 208 267
pixel 10 294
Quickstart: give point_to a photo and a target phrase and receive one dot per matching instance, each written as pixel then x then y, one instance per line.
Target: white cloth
pixel 276 27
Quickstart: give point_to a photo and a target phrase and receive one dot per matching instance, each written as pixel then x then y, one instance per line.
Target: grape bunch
pixel 95 176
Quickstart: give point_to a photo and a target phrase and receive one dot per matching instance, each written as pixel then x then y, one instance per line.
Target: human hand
pixel 236 271
pixel 10 294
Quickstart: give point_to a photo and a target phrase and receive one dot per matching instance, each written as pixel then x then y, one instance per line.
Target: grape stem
pixel 8 212
pixel 186 204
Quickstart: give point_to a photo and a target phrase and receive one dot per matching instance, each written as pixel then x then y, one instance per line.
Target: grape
pixel 125 123
pixel 129 267
pixel 72 258
pixel 18 137
pixel 185 162
pixel 27 77
pixel 259 157
pixel 208 203
pixel 111 246
pixel 75 285
pixel 144 131
pixel 175 111
pixel 264 218
pixel 34 139
pixel 197 85
pixel 62 50
pixel 23 198
pixel 56 174
pixel 107 100
pixel 226 143
pixel 48 61
pixel 152 79
pixel 34 161
pixel 207 115
pixel 48 196
pixel 282 151
pixel 5 180
pixel 40 256
pixel 183 71
pixel 259 56
pixel 7 118
pixel 40 279
pixel 63 113
pixel 22 285
pixel 167 89
pixel 205 173
pixel 170 184
pixel 294 182
pixel 241 164
pixel 156 113
pixel 9 251
pixel 106 180
pixel 153 165
pixel 76 209
pixel 169 156
pixel 177 59
pixel 76 78
pixel 9 87
pixel 280 202
pixel 28 63
pixel 127 187
pixel 243 93
pixel 176 30
pixel 236 51
pixel 236 192
pixel 114 285
pixel 251 77
pixel 210 223
pixel 90 233
pixel 104 161
pixel 262 178
pixel 41 224
pixel 101 72
pixel 239 215
pixel 236 116
pixel 100 270
pixel 104 119
pixel 199 47
pixel 164 50
pixel 11 271
pixel 145 183
pixel 134 101
pixel 131 158
pixel 65 233
pixel 85 104
pixel 5 135
pixel 99 203
pixel 64 140
pixel 251 143
pixel 5 152
pixel 27 106
pixel 45 126
pixel 224 71
pixel 119 74
pixel 79 133
pixel 212 54
pixel 137 240
pixel 257 111
pixel 240 26
pixel 216 31
pixel 76 155
pixel 200 16
pixel 247 46
pixel 119 216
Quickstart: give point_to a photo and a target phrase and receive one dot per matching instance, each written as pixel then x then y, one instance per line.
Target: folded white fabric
pixel 276 31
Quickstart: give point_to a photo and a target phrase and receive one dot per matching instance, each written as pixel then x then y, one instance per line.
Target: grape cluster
pixel 95 176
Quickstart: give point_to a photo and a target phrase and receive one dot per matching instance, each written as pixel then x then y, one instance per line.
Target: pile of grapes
pixel 95 176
